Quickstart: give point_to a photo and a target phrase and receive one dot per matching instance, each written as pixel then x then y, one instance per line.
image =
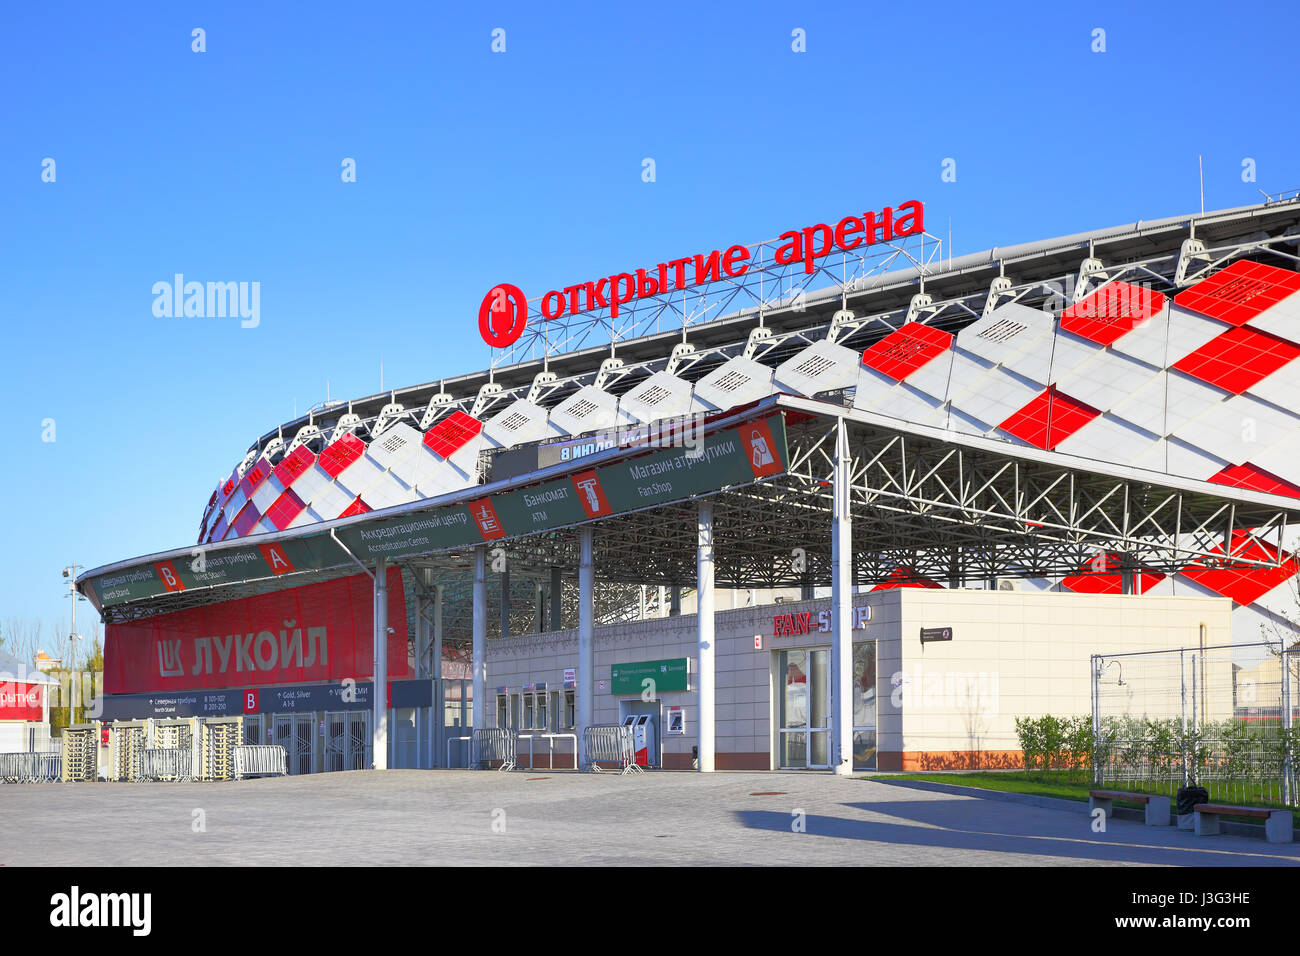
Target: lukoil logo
pixel 76 909
pixel 503 315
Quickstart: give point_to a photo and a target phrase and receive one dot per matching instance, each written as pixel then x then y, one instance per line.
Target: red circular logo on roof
pixel 503 315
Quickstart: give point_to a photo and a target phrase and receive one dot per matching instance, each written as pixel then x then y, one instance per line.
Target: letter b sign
pixel 250 701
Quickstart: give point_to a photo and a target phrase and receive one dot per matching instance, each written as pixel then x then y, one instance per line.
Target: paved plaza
pixel 540 818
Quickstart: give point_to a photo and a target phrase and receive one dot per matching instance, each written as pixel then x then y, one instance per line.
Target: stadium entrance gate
pixel 347 740
pixel 294 732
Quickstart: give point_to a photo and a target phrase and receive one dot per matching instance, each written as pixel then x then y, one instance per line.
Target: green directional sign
pixel 672 674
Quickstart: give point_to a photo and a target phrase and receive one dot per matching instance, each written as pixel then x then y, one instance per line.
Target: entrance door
pixel 804 728
pixel 294 732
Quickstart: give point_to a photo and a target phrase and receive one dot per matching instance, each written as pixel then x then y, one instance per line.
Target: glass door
pixel 804 728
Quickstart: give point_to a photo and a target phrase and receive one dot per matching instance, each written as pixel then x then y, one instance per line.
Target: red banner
pixel 319 632
pixel 19 701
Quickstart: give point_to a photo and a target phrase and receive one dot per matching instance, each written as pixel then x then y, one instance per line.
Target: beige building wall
pixel 1026 654
pixel 1013 653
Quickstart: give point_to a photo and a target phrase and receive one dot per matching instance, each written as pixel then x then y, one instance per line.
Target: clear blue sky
pixel 475 168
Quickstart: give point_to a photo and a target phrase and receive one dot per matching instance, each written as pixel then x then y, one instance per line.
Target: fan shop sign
pixel 809 622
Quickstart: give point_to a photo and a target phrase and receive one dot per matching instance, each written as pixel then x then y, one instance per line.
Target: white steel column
pixel 379 700
pixel 841 749
pixel 586 685
pixel 480 636
pixel 704 632
pixel 435 664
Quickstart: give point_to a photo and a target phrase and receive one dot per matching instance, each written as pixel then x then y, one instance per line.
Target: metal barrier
pixel 218 737
pixel 172 764
pixel 260 760
pixel 44 766
pixel 611 743
pixel 494 743
pixel 550 748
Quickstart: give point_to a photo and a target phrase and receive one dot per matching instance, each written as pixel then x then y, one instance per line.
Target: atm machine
pixel 643 737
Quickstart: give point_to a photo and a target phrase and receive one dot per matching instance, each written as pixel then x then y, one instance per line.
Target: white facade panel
pixel 588 409
pixel 821 367
pixel 738 381
pixel 659 396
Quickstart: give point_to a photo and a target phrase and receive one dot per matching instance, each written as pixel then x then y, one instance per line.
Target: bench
pixel 1277 823
pixel 1157 807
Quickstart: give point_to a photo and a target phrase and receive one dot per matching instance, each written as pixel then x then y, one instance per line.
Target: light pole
pixel 70 572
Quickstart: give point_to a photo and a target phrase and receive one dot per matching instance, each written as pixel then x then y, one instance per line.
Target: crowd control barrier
pixel 260 760
pixel 173 764
pixel 492 744
pixel 609 744
pixel 42 766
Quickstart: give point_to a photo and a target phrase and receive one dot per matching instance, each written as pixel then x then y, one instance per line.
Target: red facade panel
pixel 1240 292
pixel 903 351
pixel 338 455
pixel 1256 479
pixel 452 433
pixel 293 465
pixel 1112 311
pixel 1048 419
pixel 1237 359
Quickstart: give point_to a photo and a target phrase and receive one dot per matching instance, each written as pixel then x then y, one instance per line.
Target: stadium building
pixel 821 501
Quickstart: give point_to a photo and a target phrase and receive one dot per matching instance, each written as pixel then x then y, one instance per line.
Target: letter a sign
pixel 276 559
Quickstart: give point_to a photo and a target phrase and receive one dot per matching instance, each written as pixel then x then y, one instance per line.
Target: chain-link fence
pixel 1220 717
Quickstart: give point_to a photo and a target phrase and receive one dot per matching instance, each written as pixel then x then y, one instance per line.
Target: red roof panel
pixel 338 455
pixel 293 465
pixel 1103 577
pixel 906 578
pixel 358 507
pixel 1111 311
pixel 1049 418
pixel 284 509
pixel 1256 479
pixel 1245 585
pixel 903 351
pixel 452 433
pixel 1237 359
pixel 1240 292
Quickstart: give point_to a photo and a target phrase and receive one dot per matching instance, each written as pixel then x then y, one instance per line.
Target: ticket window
pixel 555 711
pixel 514 711
pixel 542 723
pixel 501 711
pixel 528 713
pixel 570 710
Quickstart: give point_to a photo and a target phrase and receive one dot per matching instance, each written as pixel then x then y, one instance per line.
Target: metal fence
pixel 42 766
pixel 260 760
pixel 173 764
pixel 493 744
pixel 1220 717
pixel 609 743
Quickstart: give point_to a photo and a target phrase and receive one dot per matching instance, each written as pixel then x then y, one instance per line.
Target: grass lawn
pixel 1020 781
